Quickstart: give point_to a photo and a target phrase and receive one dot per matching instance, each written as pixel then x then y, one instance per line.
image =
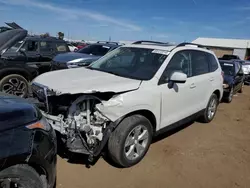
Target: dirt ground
pixel 215 155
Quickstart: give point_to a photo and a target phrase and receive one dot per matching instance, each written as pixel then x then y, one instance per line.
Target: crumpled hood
pixel 82 80
pixel 228 79
pixel 65 57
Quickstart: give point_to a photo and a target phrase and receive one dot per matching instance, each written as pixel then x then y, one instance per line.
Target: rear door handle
pixel 192 86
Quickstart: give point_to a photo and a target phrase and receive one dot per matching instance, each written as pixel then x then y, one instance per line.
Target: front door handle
pixel 192 86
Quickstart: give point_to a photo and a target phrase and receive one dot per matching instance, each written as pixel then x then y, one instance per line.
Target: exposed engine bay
pixel 84 128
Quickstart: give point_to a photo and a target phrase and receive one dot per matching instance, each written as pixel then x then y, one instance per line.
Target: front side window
pixel 31 46
pixel 135 63
pixel 180 62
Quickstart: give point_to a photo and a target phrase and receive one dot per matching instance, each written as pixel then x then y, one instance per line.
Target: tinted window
pixel 213 62
pixel 136 63
pixel 99 50
pixel 46 46
pixel 61 47
pixel 227 68
pixel 200 63
pixel 31 46
pixel 181 62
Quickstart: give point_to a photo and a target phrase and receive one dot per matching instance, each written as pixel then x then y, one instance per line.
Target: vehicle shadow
pixel 82 159
pixel 170 130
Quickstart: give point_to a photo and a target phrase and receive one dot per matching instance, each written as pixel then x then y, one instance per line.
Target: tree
pixel 60 35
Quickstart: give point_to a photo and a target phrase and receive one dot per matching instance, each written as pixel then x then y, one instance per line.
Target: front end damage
pixel 80 118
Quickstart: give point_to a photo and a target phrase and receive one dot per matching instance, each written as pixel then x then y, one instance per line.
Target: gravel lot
pixel 215 155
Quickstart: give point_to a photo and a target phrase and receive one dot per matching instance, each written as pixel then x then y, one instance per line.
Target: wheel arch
pixel 218 94
pixel 6 72
pixel 144 112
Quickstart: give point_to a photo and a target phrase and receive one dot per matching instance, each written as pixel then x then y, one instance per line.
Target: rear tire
pixel 15 84
pixel 229 98
pixel 241 89
pixel 130 141
pixel 24 176
pixel 211 109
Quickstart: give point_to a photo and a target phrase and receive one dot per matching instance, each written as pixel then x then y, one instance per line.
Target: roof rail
pixel 189 43
pixel 152 42
pixel 108 42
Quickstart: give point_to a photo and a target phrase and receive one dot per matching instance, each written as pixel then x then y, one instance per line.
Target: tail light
pixel 222 74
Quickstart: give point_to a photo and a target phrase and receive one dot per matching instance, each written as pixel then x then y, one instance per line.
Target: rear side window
pixel 200 63
pixel 213 62
pixel 46 46
pixel 61 47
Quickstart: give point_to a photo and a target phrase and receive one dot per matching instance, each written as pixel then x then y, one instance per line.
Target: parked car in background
pixel 28 153
pixel 15 74
pixel 246 70
pixel 233 79
pixel 229 57
pixel 82 57
pixel 80 46
pixel 72 48
pixel 129 96
pixel 36 50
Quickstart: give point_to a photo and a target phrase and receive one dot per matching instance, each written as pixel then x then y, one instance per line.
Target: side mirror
pixel 178 77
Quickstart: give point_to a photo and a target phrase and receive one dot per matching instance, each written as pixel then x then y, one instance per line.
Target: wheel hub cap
pixel 136 142
pixel 14 86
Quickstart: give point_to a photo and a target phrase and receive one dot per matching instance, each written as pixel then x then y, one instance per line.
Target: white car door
pixel 177 99
pixel 203 79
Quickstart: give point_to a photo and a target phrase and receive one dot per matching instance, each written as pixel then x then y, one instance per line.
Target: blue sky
pixel 164 20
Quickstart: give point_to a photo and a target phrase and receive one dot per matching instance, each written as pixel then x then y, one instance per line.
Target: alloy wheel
pixel 212 108
pixel 136 142
pixel 15 86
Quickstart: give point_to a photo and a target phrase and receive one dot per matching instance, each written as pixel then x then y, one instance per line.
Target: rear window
pixel 228 68
pixel 61 47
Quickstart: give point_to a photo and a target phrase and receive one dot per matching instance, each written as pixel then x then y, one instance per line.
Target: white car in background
pixel 130 95
pixel 246 70
pixel 72 48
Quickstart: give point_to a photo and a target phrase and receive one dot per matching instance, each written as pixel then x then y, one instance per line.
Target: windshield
pixel 98 50
pixel 15 47
pixel 135 63
pixel 227 68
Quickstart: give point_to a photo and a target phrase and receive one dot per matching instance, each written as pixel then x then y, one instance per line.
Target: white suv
pixel 126 97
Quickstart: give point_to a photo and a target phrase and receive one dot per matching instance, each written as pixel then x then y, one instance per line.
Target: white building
pixel 238 47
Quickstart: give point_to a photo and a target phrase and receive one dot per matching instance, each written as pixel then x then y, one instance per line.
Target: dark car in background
pixel 84 56
pixel 15 73
pixel 28 145
pixel 36 50
pixel 233 78
pixel 229 57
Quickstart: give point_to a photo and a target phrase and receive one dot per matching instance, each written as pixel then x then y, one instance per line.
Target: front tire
pixel 211 109
pixel 130 141
pixel 15 84
pixel 229 98
pixel 22 176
